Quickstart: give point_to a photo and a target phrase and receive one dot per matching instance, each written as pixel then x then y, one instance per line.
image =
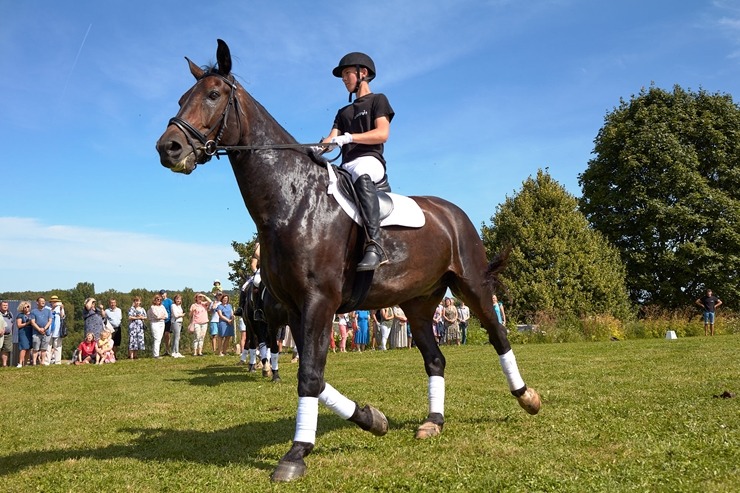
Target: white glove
pixel 340 140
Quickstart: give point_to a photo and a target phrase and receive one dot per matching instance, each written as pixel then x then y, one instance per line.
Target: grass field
pixel 617 416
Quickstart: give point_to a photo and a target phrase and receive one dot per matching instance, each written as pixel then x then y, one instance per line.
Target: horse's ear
pixel 223 57
pixel 194 69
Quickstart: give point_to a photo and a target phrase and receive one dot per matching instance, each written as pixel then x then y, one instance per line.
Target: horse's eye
pixel 213 95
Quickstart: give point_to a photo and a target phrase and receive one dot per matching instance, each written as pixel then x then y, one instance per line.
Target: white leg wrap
pixel 274 361
pixel 437 395
pixel 511 370
pixel 307 420
pixel 263 351
pixel 245 353
pixel 252 356
pixel 339 404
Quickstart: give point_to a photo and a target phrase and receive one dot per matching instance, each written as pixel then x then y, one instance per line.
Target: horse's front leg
pixel 368 418
pixel 274 352
pixel 312 341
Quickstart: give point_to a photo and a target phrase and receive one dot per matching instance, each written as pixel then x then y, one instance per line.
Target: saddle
pixel 395 209
pixel 346 188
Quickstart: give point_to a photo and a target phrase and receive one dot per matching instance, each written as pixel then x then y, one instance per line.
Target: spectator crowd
pixel 39 329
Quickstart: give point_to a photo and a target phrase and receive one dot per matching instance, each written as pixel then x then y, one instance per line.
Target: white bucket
pixel 671 334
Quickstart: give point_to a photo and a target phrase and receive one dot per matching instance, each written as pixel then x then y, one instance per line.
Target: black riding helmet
pixel 357 60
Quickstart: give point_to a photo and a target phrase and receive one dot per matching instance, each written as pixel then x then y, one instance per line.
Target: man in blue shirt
pixel 40 321
pixel 167 304
pixel 709 303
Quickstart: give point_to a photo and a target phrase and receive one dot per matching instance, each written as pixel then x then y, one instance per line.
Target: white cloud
pixel 38 257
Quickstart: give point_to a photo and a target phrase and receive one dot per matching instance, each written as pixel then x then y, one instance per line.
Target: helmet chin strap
pixel 357 86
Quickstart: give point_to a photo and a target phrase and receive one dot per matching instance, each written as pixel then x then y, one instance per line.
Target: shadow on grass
pixel 240 444
pixel 214 375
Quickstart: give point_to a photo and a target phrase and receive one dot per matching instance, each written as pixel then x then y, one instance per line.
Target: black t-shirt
pixel 359 117
pixel 709 302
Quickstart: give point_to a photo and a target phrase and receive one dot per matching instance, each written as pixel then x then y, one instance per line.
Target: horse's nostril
pixel 171 148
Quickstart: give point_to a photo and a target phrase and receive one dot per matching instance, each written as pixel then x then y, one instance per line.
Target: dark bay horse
pixel 310 249
pixel 262 333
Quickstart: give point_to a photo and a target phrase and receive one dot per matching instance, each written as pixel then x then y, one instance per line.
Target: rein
pixel 212 148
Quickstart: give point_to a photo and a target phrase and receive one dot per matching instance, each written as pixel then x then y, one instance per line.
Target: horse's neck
pixel 273 182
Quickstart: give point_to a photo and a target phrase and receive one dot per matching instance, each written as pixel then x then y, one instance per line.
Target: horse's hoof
pixel 288 471
pixel 428 430
pixel 266 372
pixel 251 368
pixel 379 426
pixel 276 377
pixel 530 401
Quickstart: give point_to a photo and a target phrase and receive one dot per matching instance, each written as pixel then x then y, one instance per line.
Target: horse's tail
pixel 495 267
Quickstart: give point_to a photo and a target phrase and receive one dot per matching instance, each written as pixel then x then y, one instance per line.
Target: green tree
pixel 240 268
pixel 664 188
pixel 558 264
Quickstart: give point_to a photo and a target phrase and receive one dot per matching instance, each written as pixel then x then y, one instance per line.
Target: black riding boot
pixel 259 314
pixel 370 212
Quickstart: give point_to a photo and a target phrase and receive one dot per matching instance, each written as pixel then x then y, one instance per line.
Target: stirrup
pixel 259 315
pixel 374 257
pixel 370 261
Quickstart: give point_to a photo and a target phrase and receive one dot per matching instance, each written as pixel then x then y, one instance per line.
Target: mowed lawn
pixel 617 416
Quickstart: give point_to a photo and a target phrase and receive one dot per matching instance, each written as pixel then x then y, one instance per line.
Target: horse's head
pixel 209 113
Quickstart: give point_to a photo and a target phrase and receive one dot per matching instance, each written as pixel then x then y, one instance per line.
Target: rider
pixel 360 129
pixel 256 281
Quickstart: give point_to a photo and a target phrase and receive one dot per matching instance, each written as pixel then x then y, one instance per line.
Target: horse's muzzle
pixel 172 155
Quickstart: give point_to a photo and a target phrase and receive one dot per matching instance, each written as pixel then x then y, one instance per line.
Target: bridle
pixel 211 147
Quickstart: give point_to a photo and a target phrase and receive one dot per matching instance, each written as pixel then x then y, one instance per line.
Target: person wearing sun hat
pixel 55 331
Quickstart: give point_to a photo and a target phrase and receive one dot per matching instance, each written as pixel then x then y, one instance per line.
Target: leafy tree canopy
pixel 558 264
pixel 664 188
pixel 240 268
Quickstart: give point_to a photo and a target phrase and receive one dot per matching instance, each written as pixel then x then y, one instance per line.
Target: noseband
pixel 209 146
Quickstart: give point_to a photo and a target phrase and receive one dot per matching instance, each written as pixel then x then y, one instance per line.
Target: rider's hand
pixel 340 140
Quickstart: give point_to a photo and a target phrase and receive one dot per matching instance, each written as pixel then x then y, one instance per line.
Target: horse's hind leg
pixel 479 301
pixel 420 314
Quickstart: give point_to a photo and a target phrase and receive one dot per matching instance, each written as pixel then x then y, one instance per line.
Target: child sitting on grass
pixel 87 350
pixel 105 352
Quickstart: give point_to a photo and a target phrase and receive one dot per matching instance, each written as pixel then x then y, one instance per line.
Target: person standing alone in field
pixel 709 303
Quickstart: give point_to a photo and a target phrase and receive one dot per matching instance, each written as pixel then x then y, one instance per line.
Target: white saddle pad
pixel 406 212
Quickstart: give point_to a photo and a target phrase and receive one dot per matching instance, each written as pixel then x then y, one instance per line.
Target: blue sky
pixel 485 93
